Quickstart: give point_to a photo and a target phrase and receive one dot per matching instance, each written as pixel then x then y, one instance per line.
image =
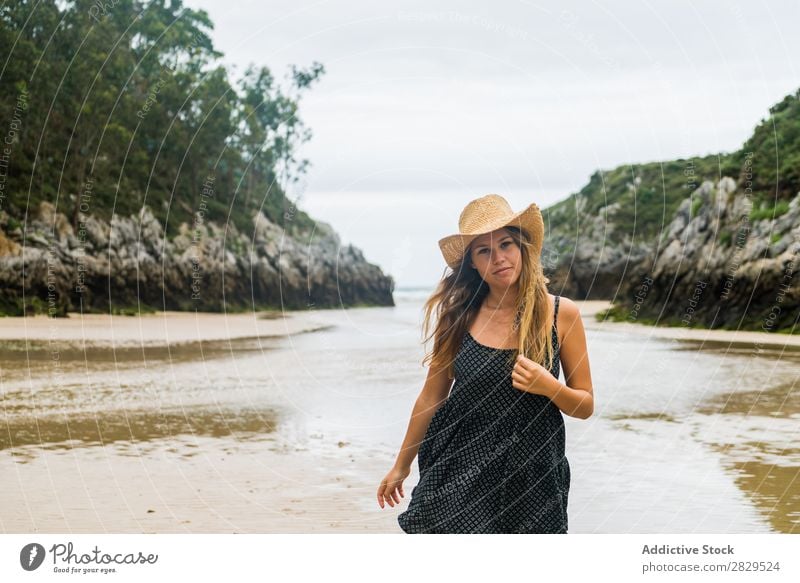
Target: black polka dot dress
pixel 492 460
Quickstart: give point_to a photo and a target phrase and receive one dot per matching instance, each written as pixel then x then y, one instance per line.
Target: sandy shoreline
pixel 590 308
pixel 192 484
pixel 151 470
pixel 160 328
pixel 245 476
pixel 167 328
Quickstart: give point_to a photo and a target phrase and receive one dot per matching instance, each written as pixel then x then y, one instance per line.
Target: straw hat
pixel 486 214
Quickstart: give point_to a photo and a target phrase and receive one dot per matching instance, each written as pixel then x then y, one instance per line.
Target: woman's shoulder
pixel 568 311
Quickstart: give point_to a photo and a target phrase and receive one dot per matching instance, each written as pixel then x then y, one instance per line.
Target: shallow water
pixel 686 436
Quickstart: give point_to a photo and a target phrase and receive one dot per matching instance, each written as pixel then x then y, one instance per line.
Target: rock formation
pixel 129 264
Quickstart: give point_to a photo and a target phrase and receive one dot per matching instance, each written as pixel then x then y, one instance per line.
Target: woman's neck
pixel 508 302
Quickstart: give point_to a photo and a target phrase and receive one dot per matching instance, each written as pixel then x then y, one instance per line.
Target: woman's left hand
pixel 531 377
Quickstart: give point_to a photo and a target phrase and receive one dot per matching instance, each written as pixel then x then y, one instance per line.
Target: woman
pixel 491 451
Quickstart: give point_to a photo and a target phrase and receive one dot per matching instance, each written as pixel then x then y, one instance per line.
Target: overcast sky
pixel 427 105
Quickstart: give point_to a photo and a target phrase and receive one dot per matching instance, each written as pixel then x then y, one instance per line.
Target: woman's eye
pixel 503 245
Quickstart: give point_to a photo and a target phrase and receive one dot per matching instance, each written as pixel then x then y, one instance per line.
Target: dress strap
pixel 555 314
pixel 556 341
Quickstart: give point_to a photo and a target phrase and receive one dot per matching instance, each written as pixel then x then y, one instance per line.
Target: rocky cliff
pixel 128 264
pixel 720 268
pixel 712 241
pixel 716 263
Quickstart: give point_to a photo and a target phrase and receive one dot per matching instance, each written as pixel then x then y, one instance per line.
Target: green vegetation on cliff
pixel 106 107
pixel 774 149
pixel 642 198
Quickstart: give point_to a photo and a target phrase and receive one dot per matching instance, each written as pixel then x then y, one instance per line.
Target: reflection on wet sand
pixel 62 432
pixel 774 489
pixel 643 416
pixel 739 348
pixel 47 403
pixel 767 467
pixel 755 433
pixel 277 434
pixel 14 353
pixel 782 400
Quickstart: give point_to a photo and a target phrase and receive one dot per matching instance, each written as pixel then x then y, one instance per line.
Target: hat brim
pixel 529 219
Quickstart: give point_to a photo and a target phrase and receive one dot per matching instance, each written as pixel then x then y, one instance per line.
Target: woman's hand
pixel 532 377
pixel 392 485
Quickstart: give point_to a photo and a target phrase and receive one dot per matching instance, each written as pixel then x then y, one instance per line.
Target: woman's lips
pixel 502 270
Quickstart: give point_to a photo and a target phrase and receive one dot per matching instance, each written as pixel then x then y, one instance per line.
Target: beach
pixel 165 469
pixel 286 422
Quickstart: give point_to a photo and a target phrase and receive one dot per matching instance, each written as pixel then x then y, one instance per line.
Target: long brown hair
pixel 460 294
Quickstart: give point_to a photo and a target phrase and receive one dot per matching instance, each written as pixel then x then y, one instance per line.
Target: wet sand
pixel 730 337
pixel 180 422
pixel 174 328
pixel 179 468
pixel 191 484
pixel 157 329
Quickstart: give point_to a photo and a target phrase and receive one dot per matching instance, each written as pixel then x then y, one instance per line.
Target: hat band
pixel 492 225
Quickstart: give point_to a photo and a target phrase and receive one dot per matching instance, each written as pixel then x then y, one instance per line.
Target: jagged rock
pixel 712 268
pixel 583 263
pixel 718 269
pixel 204 267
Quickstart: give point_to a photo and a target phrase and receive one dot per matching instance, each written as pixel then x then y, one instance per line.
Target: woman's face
pixel 497 258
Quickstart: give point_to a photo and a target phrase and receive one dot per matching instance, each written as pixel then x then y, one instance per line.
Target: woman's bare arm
pixel 433 395
pixel 576 398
